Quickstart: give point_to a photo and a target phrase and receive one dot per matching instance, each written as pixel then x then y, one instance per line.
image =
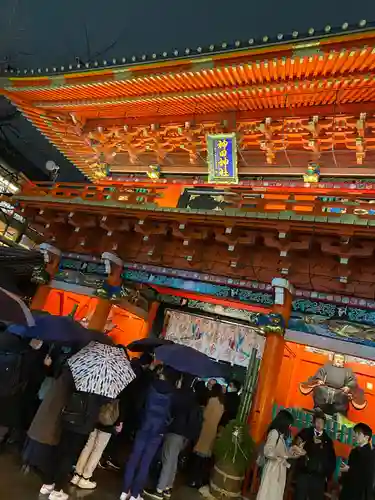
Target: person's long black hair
pixel 281 423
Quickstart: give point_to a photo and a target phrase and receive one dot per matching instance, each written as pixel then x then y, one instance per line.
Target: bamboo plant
pixel 235 445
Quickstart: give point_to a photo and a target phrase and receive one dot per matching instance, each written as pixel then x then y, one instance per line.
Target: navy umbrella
pixel 59 329
pixel 147 344
pixel 188 360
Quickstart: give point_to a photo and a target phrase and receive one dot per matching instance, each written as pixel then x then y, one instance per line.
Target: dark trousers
pixel 145 447
pixel 67 453
pixel 199 470
pixel 309 487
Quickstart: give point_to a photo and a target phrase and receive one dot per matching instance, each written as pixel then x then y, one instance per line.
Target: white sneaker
pixel 58 495
pixel 125 496
pixel 86 484
pixel 75 480
pixel 47 489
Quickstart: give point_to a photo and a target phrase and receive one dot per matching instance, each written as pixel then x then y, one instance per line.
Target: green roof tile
pixel 362 222
pixel 296 216
pixel 286 215
pixel 273 215
pixel 348 219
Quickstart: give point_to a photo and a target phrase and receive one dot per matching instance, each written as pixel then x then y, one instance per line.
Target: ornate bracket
pixel 43 274
pixel 272 323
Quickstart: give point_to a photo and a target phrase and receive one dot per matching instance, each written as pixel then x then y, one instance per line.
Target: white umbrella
pixel 101 369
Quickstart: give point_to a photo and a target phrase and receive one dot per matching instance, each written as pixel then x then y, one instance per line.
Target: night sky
pixel 41 33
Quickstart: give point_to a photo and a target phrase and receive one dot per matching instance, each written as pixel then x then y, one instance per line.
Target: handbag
pixel 109 413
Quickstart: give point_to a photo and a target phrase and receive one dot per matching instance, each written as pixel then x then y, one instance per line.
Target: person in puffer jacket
pixel 156 419
pixel 184 430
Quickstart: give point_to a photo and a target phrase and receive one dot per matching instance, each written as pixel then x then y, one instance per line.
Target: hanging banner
pixel 220 340
pixel 222 159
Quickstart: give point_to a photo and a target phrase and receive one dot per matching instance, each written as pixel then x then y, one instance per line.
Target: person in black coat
pixel 232 401
pixel 98 441
pixel 22 371
pixel 358 475
pixel 315 469
pixel 79 418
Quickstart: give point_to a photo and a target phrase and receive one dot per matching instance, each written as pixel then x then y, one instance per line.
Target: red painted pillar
pixel 261 410
pixel 151 316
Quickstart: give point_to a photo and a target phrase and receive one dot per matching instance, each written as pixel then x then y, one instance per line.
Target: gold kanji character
pixel 223 162
pixel 223 152
pixel 222 143
pixel 223 172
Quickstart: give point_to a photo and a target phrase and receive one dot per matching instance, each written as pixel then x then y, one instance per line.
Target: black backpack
pixel 76 411
pixel 11 374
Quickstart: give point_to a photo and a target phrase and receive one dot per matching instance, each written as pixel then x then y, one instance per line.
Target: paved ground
pixel 16 486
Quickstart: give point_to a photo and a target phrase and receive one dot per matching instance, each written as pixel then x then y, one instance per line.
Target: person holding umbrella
pixel 22 371
pixel 189 360
pixel 183 432
pixel 155 422
pixel 99 372
pixel 65 337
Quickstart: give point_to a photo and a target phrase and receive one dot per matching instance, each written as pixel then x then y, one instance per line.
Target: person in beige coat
pixel 212 416
pixel 275 456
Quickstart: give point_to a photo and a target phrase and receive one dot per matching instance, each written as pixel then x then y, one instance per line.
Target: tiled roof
pixel 295 74
pixel 223 48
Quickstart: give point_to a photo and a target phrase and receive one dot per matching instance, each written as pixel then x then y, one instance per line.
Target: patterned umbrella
pixel 101 369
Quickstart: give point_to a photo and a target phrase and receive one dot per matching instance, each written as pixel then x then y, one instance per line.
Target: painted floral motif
pixel 218 339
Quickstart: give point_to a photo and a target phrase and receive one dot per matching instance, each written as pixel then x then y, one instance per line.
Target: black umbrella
pixel 186 359
pixel 148 344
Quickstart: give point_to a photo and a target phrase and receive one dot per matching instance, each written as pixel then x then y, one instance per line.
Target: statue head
pixel 338 360
pixel 114 267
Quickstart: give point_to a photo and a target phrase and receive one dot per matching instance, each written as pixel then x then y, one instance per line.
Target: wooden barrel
pixel 225 481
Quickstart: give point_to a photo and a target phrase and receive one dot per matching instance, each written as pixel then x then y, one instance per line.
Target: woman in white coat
pixel 276 456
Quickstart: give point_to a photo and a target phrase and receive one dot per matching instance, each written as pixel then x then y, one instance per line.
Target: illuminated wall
pixel 123 326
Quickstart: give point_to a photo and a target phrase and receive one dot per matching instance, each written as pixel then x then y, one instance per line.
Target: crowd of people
pixel 159 420
pixel 312 457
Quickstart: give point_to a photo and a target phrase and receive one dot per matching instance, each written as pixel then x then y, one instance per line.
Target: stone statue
pixel 334 386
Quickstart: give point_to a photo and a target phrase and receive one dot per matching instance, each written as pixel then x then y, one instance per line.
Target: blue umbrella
pixel 188 360
pixel 61 329
pixel 147 344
